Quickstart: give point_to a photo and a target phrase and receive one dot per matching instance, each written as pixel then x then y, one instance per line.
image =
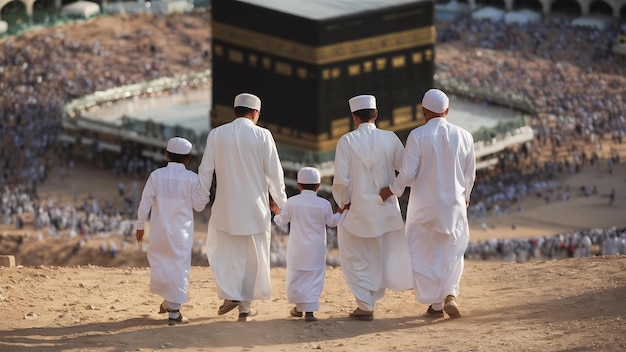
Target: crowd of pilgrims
pixel 572 121
pixel 583 243
pixel 82 220
pixel 573 80
pixel 39 73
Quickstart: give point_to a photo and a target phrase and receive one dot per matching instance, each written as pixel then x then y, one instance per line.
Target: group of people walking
pixel 378 250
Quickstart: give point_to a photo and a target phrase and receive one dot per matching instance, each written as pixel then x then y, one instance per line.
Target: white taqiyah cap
pixel 309 175
pixel 435 101
pixel 361 102
pixel 248 100
pixel 178 145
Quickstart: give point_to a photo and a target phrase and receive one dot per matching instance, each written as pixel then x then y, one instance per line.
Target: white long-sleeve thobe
pixel 172 193
pixel 308 216
pixel 372 246
pixel 365 161
pixel 247 168
pixel 440 167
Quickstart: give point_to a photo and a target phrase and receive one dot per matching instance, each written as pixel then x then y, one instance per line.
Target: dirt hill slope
pixel 565 305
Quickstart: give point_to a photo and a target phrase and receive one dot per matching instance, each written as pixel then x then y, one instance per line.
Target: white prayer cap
pixel 361 102
pixel 309 176
pixel 435 101
pixel 178 145
pixel 248 100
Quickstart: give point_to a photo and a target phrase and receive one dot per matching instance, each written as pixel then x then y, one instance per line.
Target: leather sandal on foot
pixel 227 306
pixel 162 309
pixel 176 321
pixel 294 313
pixel 451 307
pixel 360 314
pixel 246 316
pixel 433 313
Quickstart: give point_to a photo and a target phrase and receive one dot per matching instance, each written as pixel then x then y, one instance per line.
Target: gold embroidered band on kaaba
pixel 349 50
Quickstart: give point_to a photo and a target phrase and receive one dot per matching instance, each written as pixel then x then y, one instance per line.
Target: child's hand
pixel 139 235
pixel 274 207
pixel 385 193
pixel 345 207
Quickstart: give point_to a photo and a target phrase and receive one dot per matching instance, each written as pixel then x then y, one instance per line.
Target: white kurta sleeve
pixel 147 199
pixel 283 218
pixel 470 170
pixel 199 199
pixel 341 179
pixel 207 167
pixel 274 174
pixel 408 170
pixel 397 154
pixel 332 220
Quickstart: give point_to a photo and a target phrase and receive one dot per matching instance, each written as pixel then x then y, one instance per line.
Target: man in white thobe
pixel 372 246
pixel 172 194
pixel 308 216
pixel 246 165
pixel 440 167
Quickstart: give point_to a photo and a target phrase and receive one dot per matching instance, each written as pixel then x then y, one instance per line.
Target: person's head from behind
pixel 363 108
pixel 435 103
pixel 178 150
pixel 247 105
pixel 309 179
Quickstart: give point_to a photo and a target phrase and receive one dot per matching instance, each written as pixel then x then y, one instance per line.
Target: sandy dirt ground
pixel 564 305
pixel 557 305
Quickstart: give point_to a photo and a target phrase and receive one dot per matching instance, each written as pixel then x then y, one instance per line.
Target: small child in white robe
pixel 171 195
pixel 309 215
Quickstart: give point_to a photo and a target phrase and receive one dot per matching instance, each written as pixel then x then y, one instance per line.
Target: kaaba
pixel 306 58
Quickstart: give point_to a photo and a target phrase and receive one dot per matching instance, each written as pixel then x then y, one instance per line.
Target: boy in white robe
pixel 309 215
pixel 171 193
